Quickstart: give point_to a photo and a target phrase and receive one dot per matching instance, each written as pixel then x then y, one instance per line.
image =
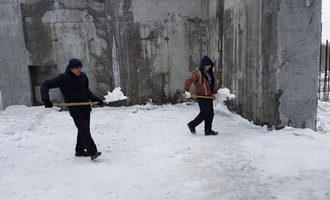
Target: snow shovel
pixel 203 97
pixel 75 104
pixel 200 96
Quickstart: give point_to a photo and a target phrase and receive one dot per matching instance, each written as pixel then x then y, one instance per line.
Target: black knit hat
pixel 74 63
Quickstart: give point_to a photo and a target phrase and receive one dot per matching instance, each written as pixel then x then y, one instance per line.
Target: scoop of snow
pixel 115 95
pixel 224 94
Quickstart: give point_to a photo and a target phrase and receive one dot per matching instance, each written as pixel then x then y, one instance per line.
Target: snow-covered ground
pixel 149 153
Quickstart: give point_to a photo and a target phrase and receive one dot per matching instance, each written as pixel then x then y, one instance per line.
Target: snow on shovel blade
pixel 115 95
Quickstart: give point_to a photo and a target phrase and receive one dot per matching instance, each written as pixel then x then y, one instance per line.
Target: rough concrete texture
pixel 271 52
pixel 266 51
pixel 299 61
pixel 14 74
pixel 146 47
pixel 215 13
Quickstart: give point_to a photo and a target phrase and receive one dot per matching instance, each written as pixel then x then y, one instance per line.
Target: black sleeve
pixel 91 95
pixel 46 86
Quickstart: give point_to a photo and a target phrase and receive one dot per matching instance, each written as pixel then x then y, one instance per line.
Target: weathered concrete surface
pixel 14 73
pixel 146 47
pixel 167 41
pixel 215 32
pixel 299 62
pixel 0 100
pixel 266 51
pixel 271 60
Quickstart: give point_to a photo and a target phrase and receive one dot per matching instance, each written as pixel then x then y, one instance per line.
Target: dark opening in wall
pixel 38 74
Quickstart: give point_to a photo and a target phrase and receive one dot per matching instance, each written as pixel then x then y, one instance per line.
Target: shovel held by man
pixel 76 104
pixel 198 96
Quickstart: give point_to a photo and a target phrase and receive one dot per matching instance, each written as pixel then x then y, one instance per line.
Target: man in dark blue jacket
pixel 75 88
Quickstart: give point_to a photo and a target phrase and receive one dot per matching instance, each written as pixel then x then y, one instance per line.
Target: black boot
pixel 211 132
pixel 95 155
pixel 81 154
pixel 191 128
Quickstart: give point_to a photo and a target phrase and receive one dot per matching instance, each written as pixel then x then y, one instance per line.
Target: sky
pixel 325 20
pixel 149 153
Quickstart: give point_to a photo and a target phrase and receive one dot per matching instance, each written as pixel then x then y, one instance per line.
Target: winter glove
pixel 101 103
pixel 48 104
pixel 187 95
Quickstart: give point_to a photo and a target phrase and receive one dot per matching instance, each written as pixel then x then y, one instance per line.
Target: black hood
pixel 206 61
pixel 68 71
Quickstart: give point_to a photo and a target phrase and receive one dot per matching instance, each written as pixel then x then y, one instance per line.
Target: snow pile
pixel 25 119
pixel 323 126
pixel 115 95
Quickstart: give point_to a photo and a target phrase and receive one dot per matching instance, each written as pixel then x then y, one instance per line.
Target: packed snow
pixel 115 95
pixel 149 153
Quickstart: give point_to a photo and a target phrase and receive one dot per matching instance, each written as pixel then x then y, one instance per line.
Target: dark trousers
pixel 84 138
pixel 206 114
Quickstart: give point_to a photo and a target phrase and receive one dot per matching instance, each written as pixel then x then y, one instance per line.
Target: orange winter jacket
pixel 202 86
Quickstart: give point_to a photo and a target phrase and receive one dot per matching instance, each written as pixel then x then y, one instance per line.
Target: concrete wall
pixel 14 73
pixel 299 62
pixel 0 101
pixel 146 47
pixel 266 51
pixel 271 52
pixel 215 13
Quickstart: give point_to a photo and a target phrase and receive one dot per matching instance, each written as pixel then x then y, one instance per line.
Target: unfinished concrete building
pixel 266 51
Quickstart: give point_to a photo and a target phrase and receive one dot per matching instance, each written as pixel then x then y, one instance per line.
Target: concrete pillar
pixel 270 59
pixel 14 75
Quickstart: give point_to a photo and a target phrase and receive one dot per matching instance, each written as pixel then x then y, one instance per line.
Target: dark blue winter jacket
pixel 74 89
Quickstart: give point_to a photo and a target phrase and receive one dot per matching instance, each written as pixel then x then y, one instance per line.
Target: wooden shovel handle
pixel 200 96
pixel 203 97
pixel 76 104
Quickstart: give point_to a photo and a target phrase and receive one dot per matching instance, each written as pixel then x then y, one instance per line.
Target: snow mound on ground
pixel 115 95
pixel 18 118
pixel 323 126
